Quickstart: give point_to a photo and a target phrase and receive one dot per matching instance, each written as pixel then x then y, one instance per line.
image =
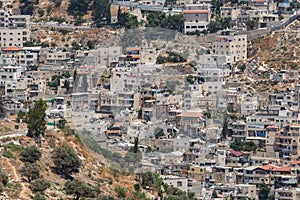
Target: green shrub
pixel 121 192
pixel 39 185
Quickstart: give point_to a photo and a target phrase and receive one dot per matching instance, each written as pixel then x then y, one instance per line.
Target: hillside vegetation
pixel 60 167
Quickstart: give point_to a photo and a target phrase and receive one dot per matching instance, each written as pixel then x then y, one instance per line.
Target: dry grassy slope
pixel 60 11
pixel 280 50
pixel 275 52
pixel 92 170
pixel 7 127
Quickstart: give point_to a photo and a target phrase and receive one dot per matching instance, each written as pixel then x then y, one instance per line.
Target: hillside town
pixel 207 112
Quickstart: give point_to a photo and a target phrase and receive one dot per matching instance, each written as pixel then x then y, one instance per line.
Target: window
pixel 179 183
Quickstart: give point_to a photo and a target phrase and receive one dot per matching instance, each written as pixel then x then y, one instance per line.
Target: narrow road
pixel 11 135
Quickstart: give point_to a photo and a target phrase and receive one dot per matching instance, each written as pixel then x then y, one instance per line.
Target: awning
pixel 51 99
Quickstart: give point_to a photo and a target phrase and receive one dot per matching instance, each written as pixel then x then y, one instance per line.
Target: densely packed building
pixel 198 125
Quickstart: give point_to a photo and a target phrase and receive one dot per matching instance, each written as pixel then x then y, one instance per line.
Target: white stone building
pixel 231 43
pixel 14 29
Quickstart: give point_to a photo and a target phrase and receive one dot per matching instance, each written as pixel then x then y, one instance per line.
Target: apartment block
pixel 249 104
pixel 108 55
pixel 265 174
pixel 230 12
pixel 230 43
pixel 57 58
pixel 14 29
pixel 29 56
pixel 287 142
pixel 213 78
pixel 11 78
pixel 287 193
pixel 196 20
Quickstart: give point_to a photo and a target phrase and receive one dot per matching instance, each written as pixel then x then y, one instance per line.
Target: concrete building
pixel 287 142
pixel 148 55
pixel 189 123
pixel 12 79
pixel 14 29
pixel 108 55
pixel 196 20
pixel 230 12
pixel 197 173
pixel 237 130
pixel 249 104
pixel 213 78
pixel 176 181
pixel 290 193
pixel 230 43
pixel 265 174
pixel 243 191
pixel 58 58
pixel 29 56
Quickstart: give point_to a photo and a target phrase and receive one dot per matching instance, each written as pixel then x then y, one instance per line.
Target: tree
pixel 75 45
pixel 190 79
pixel 2 108
pixel 35 119
pixel 219 24
pixel 214 194
pixel 174 22
pixel 216 4
pixel 263 192
pixel 101 13
pixel 225 128
pixel 74 75
pixel 65 160
pixel 105 197
pixel 57 3
pixel 134 155
pixel 78 8
pixel 27 6
pixel 41 12
pixel 66 74
pixel 238 145
pixel 121 192
pixel 90 44
pixel 67 85
pixel 3 178
pixel 127 20
pixel 251 24
pixel 137 187
pixel 49 9
pixel 20 116
pixel 80 189
pixel 136 145
pixel 39 185
pixel 30 171
pixel 159 185
pixel 39 196
pixel 177 194
pixel 161 59
pixel 158 132
pixel 55 81
pixel 30 154
pixel 62 123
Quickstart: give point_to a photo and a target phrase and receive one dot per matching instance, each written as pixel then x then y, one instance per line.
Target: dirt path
pixel 10 169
